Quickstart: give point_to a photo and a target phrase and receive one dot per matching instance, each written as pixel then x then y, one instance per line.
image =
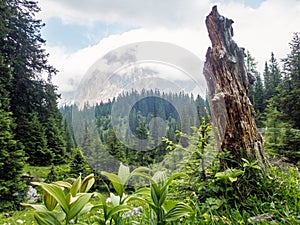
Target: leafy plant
pixel 72 200
pixel 112 207
pixel 120 180
pixel 163 211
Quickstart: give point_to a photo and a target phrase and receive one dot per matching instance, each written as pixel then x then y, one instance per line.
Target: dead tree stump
pixel 228 84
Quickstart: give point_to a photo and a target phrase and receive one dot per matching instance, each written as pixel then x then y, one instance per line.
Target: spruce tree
pixel 70 142
pixel 12 158
pixel 22 51
pixel 289 90
pixel 275 73
pixel 256 92
pixel 36 148
pixel 268 88
pixel 78 164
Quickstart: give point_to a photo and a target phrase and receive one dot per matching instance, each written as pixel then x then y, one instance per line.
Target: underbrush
pixel 244 195
pixel 218 194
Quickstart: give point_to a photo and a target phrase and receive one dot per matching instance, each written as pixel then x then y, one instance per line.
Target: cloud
pixel 170 13
pixel 269 28
pixel 265 29
pixel 72 67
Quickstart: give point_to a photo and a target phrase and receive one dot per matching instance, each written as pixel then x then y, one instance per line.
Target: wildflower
pixel 134 212
pixel 108 200
pixel 32 195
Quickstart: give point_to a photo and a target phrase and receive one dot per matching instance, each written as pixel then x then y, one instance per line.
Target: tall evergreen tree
pixel 288 99
pixel 55 141
pixel 275 73
pixel 11 164
pixel 69 138
pixel 268 89
pixel 78 163
pixel 22 51
pixel 256 91
pixel 258 100
pixel 36 147
pixel 272 78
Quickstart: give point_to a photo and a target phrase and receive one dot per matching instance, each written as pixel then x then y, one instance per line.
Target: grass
pixel 24 217
pixel 39 172
pixel 277 194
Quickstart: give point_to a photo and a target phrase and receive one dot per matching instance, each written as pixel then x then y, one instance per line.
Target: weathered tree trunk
pixel 228 84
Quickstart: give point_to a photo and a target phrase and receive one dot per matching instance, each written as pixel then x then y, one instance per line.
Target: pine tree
pixel 289 90
pixel 78 163
pixel 69 138
pixel 51 118
pixel 55 142
pixel 256 92
pixel 258 100
pixel 275 73
pixel 12 159
pixel 12 156
pixel 268 89
pixel 272 78
pixel 36 148
pixel 21 47
pixel 291 145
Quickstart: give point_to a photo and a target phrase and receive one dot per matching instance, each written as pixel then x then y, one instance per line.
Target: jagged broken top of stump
pixel 223 46
pixel 228 83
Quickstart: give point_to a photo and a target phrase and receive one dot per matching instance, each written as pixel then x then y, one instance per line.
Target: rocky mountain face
pixel 137 67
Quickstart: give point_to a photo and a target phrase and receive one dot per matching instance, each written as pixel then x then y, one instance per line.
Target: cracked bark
pixel 228 84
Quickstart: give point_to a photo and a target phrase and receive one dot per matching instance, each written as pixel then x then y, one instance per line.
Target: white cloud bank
pixel 262 30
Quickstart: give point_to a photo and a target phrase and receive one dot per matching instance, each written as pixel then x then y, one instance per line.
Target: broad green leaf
pixel 76 186
pixel 58 194
pixel 87 183
pixel 78 205
pixel 163 197
pixel 154 194
pixel 123 173
pixel 68 198
pixel 63 184
pixel 72 199
pixel 60 215
pixel 87 208
pixel 118 209
pixel 178 211
pixel 49 201
pixel 144 191
pixel 46 218
pixel 36 207
pixel 116 182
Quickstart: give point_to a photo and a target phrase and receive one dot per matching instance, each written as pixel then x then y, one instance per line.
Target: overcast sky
pixel 80 32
